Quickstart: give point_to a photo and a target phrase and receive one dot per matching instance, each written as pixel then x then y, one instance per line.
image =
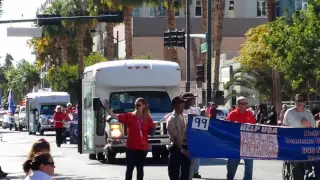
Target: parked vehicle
pixel 20 121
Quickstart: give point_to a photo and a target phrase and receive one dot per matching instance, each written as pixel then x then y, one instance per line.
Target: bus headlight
pixel 115 133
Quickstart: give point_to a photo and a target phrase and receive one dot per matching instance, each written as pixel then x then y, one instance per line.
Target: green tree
pixel 295 45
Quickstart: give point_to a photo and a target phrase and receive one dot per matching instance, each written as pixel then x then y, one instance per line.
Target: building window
pixel 261 9
pixel 198 10
pixel 301 5
pixel 278 12
pixel 177 12
pixel 158 11
pixel 231 8
pixel 136 12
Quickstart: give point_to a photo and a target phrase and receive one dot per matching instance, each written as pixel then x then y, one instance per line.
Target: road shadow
pixel 148 162
pixel 9 177
pixel 213 162
pixel 72 177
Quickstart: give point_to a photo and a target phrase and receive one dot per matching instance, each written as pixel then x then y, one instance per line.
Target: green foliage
pixel 295 46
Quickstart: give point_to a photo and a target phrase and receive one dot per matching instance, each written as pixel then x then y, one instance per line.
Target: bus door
pixel 88 124
pixel 31 116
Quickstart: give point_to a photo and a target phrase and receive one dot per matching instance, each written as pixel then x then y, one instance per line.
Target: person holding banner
pixel 190 99
pixel 240 115
pixel 299 117
pixel 179 158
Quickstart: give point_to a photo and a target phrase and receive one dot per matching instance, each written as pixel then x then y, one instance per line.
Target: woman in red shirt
pixel 139 124
pixel 59 117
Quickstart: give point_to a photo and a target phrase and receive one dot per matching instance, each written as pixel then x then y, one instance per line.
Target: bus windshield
pixel 48 109
pixel 122 102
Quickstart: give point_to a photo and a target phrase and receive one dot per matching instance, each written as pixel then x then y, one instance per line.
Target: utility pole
pixel 188 46
pixel 209 50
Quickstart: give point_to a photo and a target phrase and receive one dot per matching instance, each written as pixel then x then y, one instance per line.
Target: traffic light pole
pixel 209 51
pixel 188 46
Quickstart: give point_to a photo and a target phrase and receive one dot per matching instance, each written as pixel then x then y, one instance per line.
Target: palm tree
pixel 78 8
pixel 271 4
pixel 218 17
pixel 257 80
pixel 204 19
pixel 1 2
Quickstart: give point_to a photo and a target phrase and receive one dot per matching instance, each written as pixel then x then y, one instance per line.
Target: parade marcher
pixel 40 146
pixel 179 158
pixel 42 167
pixel 190 99
pixel 273 117
pixel 240 115
pixel 59 117
pixel 283 111
pixel 139 125
pixel 300 117
pixel 69 108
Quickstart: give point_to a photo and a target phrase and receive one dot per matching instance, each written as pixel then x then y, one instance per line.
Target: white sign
pixel 24 32
pixel 200 122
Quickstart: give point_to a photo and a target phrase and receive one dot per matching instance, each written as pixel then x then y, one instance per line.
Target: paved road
pixel 71 165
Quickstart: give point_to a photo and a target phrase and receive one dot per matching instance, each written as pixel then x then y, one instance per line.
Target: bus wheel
pixel 92 156
pixel 101 156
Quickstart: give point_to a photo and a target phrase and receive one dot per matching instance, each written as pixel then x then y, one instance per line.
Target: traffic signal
pixel 174 38
pixel 48 22
pixel 200 72
pixel 116 18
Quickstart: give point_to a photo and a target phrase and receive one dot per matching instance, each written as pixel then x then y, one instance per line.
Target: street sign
pixel 24 32
pixel 203 47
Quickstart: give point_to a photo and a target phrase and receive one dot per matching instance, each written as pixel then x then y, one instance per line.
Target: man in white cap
pixel 190 109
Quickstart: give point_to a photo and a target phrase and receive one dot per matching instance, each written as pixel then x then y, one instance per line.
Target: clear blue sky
pixel 17 46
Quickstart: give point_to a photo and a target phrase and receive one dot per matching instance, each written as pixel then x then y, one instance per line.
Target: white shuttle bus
pixel 122 82
pixel 40 108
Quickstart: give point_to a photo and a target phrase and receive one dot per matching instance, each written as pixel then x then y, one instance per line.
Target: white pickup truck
pixel 20 121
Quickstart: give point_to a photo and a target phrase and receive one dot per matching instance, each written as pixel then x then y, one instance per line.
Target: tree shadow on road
pixel 148 162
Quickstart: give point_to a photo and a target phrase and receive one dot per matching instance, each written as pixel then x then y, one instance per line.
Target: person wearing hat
pixel 58 118
pixel 179 159
pixel 190 99
pixel 300 117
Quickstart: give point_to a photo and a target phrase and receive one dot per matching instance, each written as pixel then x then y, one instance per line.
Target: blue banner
pixel 210 138
pixel 11 108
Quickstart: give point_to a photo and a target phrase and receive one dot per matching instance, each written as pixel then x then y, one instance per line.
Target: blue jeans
pixel 196 166
pixel 232 166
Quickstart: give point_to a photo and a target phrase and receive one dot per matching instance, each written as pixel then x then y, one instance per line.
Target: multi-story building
pixel 291 6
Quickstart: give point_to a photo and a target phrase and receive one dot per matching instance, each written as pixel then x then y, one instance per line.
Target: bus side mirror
pixel 96 104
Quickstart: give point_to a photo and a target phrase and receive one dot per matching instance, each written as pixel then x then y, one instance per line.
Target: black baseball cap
pixel 188 95
pixel 177 100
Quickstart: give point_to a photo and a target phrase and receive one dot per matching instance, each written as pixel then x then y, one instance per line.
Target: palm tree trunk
pixel 127 13
pixel 204 19
pixel 110 48
pixel 277 99
pixel 218 17
pixel 172 26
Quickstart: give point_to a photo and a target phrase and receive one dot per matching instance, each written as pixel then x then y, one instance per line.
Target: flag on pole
pixel 11 102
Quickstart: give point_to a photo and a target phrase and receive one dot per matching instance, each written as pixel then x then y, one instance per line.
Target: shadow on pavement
pixel 71 177
pixel 148 162
pixel 213 162
pixel 9 177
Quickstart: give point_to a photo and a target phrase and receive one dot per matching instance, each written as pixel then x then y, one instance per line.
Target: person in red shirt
pixel 59 117
pixel 69 108
pixel 139 124
pixel 240 115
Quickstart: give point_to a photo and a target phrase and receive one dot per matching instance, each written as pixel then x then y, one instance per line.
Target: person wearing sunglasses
pixel 42 167
pixel 300 117
pixel 240 115
pixel 139 125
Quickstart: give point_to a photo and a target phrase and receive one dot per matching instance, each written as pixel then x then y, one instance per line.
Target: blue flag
pixel 210 138
pixel 11 108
